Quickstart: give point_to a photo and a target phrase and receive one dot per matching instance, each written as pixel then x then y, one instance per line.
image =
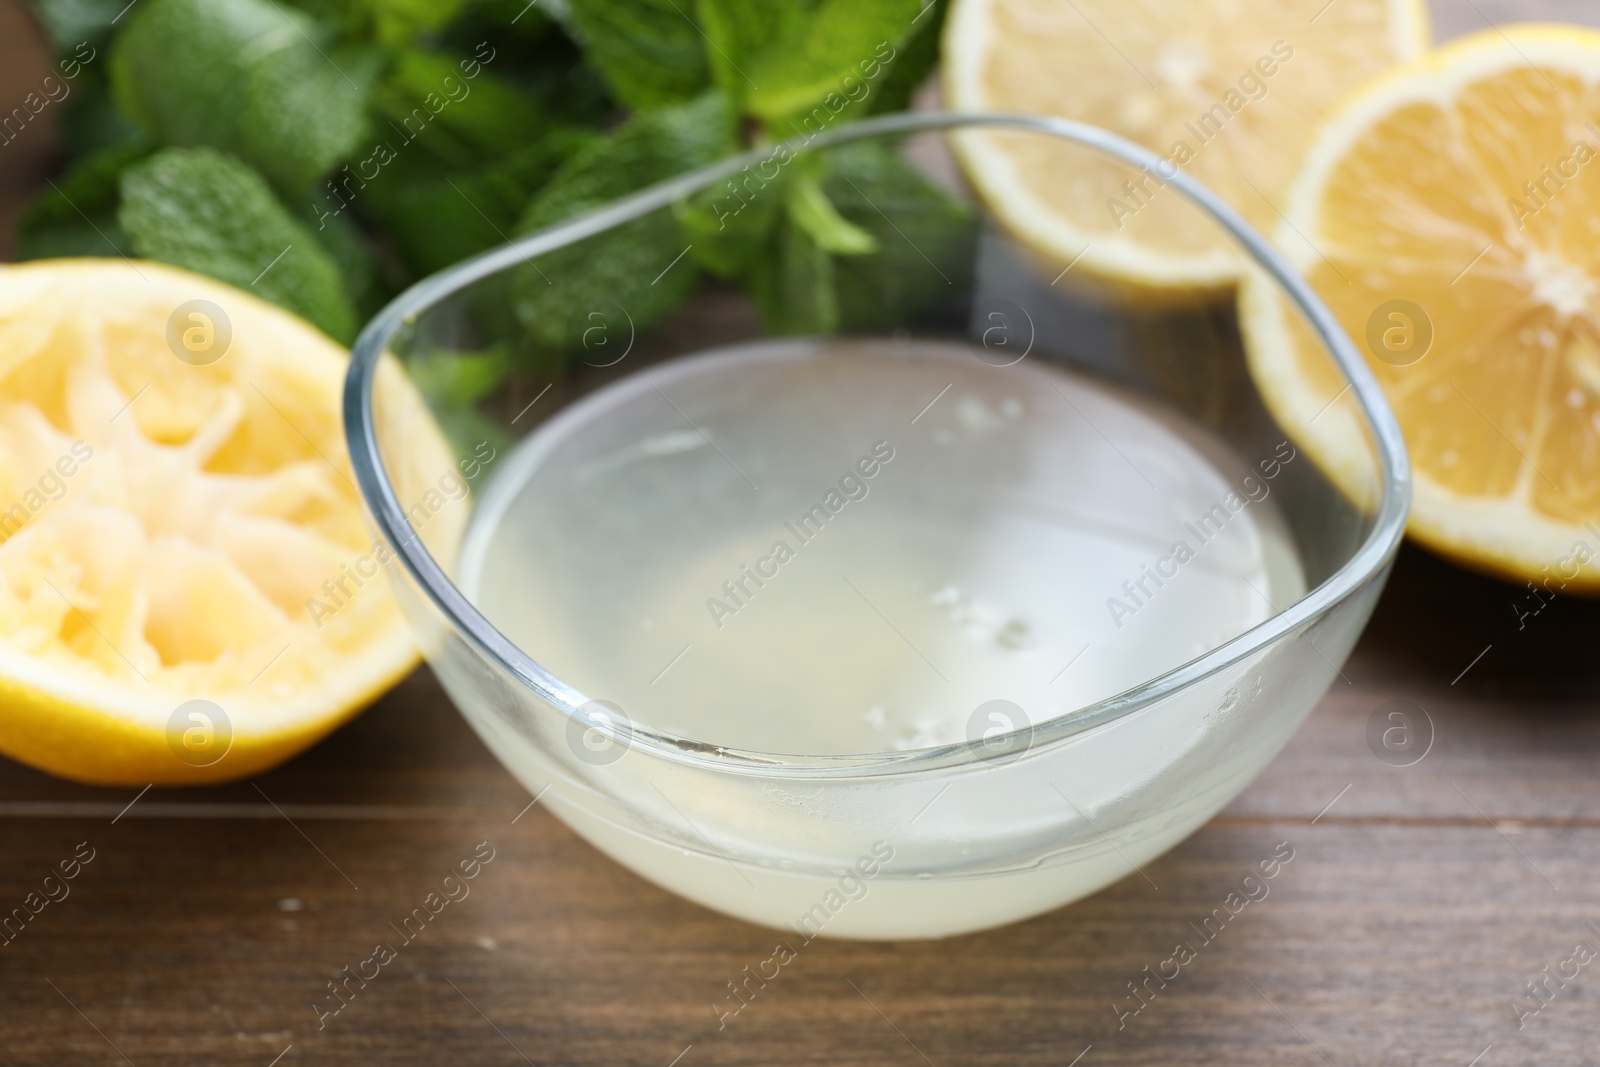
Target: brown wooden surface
pixel 1413 913
pixel 1415 910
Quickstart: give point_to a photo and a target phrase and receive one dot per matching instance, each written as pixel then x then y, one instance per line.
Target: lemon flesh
pixel 180 524
pixel 1228 91
pixel 1450 217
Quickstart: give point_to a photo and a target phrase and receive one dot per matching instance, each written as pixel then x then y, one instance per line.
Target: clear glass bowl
pixel 582 502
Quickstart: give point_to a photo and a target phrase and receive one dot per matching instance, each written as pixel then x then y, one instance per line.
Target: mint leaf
pixel 251 77
pixel 810 209
pixel 435 215
pixel 737 30
pixel 351 251
pixel 729 225
pixel 205 211
pixel 648 148
pixel 531 48
pixel 733 224
pixel 794 283
pixel 92 122
pixel 807 54
pixel 397 22
pixel 460 153
pixel 305 112
pixel 453 107
pixel 520 18
pixel 650 52
pixel 829 60
pixel 927 239
pixel 77 214
pixel 869 245
pixel 913 62
pixel 625 268
pixel 457 379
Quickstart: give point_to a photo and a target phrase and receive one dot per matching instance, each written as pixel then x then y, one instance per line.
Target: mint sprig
pixel 651 52
pixel 253 78
pixel 380 140
pixel 201 209
pixel 626 269
pixel 830 59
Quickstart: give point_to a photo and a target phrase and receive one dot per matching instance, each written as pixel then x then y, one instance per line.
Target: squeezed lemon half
pixel 188 591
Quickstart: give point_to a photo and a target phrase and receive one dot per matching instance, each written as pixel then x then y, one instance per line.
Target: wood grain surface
pixel 1420 903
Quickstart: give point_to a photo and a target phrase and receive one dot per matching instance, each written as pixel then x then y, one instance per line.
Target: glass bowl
pixel 984 679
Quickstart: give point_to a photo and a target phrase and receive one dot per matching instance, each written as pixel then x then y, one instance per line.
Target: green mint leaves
pixel 814 214
pixel 636 272
pixel 77 214
pixel 462 153
pixel 326 153
pixel 650 52
pixel 831 59
pixel 200 209
pixel 397 22
pixel 926 238
pixel 773 61
pixel 869 245
pixel 250 77
pixel 435 215
pixel 738 31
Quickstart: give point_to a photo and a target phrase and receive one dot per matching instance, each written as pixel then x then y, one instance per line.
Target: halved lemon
pixel 1228 91
pixel 1449 214
pixel 188 591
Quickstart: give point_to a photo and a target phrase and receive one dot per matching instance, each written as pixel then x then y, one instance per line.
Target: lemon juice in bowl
pixel 890 632
pixel 759 548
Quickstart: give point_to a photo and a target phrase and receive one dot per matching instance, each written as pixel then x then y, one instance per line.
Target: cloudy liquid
pixel 850 546
pixel 829 547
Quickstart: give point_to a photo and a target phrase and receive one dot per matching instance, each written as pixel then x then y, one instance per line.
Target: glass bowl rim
pixel 383 505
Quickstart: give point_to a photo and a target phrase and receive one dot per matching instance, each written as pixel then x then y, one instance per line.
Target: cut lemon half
pixel 188 591
pixel 1227 91
pixel 1449 215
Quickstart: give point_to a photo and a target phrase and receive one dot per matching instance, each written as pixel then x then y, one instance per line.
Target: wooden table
pixel 1420 902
